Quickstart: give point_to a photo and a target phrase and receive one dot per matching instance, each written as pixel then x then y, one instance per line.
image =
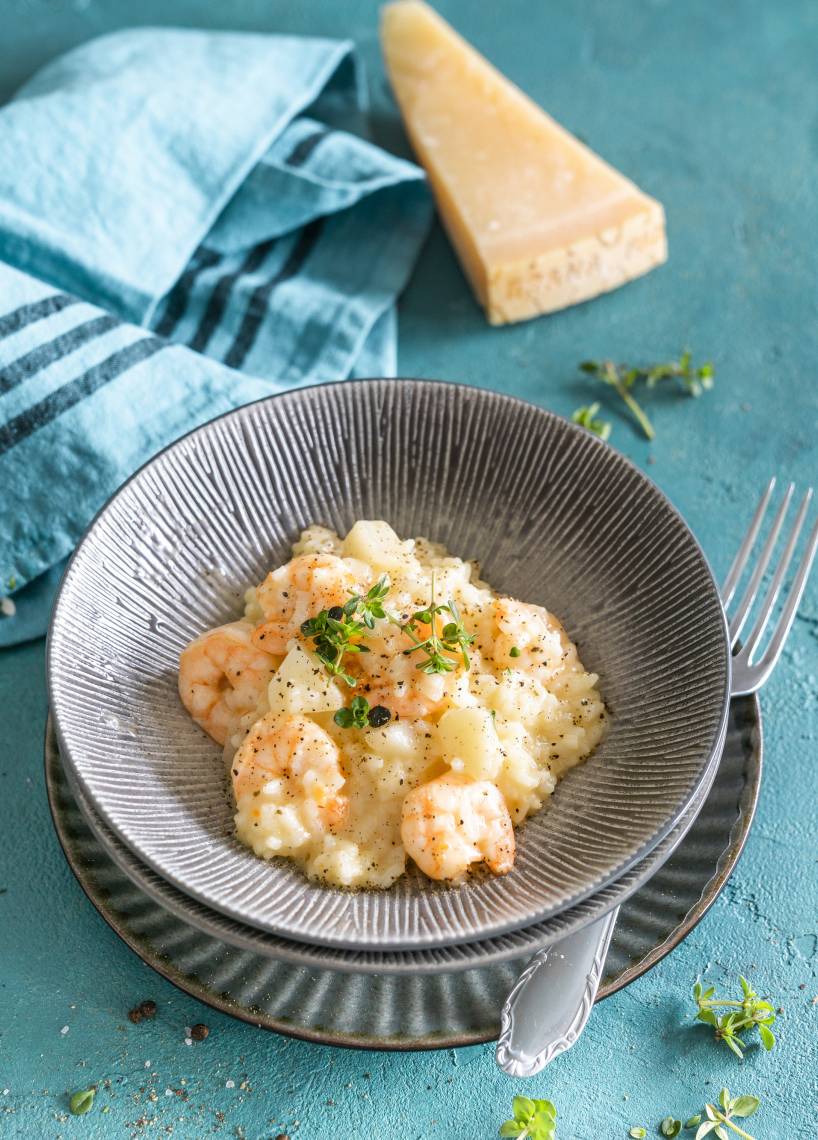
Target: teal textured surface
pixel 712 109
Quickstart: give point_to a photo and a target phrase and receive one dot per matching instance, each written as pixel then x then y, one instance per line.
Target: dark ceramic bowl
pixel 553 515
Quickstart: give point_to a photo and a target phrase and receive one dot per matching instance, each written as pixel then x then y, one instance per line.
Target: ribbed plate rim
pixel 190 986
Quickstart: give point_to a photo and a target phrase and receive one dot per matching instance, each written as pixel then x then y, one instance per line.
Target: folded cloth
pixel 187 222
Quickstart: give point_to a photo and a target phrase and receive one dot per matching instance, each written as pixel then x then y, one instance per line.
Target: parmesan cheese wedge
pixel 538 220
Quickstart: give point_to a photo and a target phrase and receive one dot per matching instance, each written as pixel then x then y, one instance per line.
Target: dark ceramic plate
pixel 554 516
pixel 422 1011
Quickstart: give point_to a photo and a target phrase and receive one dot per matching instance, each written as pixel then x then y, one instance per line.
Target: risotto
pixel 379 701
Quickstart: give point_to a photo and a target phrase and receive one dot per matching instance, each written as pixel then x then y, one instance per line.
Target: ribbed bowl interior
pixel 553 515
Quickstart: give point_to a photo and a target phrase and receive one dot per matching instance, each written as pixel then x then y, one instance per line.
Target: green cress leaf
pixel 767 1036
pixel 638 1132
pixel 694 1121
pixel 511 1128
pixel 586 417
pixel 523 1108
pixel 744 1106
pixel 703 1129
pixel 82 1102
pixel 719 1131
pixel 670 1127
pixel 724 1099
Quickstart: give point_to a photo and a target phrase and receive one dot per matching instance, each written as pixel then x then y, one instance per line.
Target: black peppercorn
pixel 379 716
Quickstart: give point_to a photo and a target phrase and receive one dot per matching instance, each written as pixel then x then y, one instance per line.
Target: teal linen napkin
pixel 188 221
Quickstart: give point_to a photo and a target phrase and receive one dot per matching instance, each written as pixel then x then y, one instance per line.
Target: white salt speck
pixel 188 1041
pixel 147 1064
pixel 64 1030
pixel 5 1092
pixel 168 1092
pixel 229 1084
pixel 7 607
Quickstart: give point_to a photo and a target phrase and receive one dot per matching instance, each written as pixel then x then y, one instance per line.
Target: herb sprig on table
pixel 535 1119
pixel 741 1014
pixel 625 378
pixel 714 1118
pixel 728 1110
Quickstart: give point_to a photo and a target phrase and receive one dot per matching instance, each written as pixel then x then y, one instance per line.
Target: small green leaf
pixel 670 1127
pixel 697 990
pixel 523 1108
pixel 707 1016
pixel 724 1099
pixel 745 985
pixel 703 1129
pixel 711 1112
pixel 720 1132
pixel 638 1132
pixel 744 1105
pixel 82 1102
pixel 734 1045
pixel 511 1128
pixel 545 1108
pixel 694 1121
pixel 767 1037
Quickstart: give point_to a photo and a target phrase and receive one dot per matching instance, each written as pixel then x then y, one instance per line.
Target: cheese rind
pixel 538 220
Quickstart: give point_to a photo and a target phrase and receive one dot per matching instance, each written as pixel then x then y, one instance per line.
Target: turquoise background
pixel 714 109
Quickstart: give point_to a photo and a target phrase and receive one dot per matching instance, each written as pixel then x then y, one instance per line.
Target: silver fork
pixel 750 675
pixel 548 1008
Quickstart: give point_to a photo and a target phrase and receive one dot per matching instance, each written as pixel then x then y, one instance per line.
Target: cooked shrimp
pixel 390 677
pixel 298 590
pixel 454 821
pixel 538 637
pixel 222 677
pixel 300 755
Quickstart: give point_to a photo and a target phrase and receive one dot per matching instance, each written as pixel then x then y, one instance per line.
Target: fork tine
pixel 751 643
pixel 743 553
pixel 773 652
pixel 739 618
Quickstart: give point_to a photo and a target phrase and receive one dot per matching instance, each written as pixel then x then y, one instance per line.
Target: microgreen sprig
pixel 370 605
pixel 438 648
pixel 535 1119
pixel 670 1126
pixel 623 378
pixel 335 631
pixel 586 417
pixel 744 1014
pixel 728 1109
pixel 360 715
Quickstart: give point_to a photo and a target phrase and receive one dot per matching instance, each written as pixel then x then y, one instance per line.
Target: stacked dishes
pixel 553 515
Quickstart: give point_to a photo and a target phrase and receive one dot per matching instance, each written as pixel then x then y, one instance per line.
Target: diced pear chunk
pixel 375 543
pixel 302 685
pixel 468 741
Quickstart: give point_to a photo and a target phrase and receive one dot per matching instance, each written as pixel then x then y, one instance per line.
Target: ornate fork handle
pixel 547 1010
pixel 552 999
